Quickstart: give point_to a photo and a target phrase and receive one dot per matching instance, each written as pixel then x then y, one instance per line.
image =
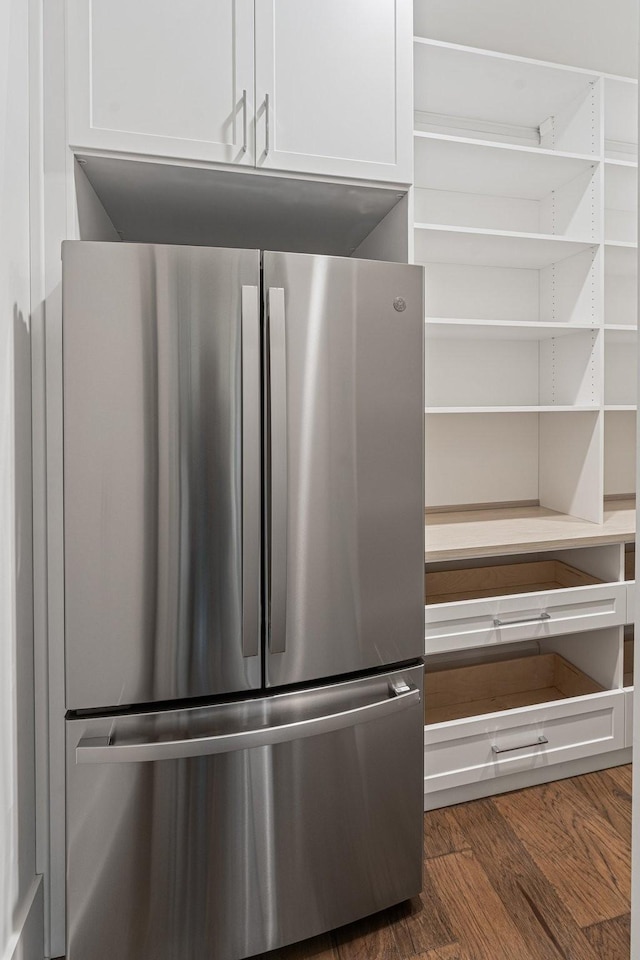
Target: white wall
pixel 597 34
pixel 20 895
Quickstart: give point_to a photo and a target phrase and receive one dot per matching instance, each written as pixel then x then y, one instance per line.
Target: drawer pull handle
pixel 497 622
pixel 523 746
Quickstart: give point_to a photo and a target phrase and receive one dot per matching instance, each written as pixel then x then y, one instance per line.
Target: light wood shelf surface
pixel 502 531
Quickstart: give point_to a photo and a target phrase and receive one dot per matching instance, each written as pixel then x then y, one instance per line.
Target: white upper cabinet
pixel 333 87
pixel 162 77
pixel 293 85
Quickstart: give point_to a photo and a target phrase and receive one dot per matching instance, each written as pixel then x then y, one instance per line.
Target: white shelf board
pixel 456 81
pixel 442 328
pixel 519 529
pixel 612 162
pixel 512 147
pixel 437 243
pixel 442 163
pixel 514 409
pixel 620 408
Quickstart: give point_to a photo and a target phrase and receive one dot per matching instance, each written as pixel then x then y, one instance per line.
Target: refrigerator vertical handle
pixel 250 312
pixel 278 505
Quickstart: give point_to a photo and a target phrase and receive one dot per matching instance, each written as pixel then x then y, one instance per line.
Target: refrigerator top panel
pixel 161 472
pixel 345 446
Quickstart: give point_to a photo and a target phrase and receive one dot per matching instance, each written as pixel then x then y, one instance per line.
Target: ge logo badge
pixel 399 304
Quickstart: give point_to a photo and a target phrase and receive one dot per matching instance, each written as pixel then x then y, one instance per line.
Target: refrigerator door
pixel 231 830
pixel 162 479
pixel 345 489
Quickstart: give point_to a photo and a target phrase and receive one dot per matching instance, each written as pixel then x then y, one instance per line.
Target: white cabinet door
pixel 162 77
pixel 333 87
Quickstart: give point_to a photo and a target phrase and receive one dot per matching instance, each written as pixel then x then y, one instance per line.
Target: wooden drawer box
pixel 491 720
pixel 504 603
pixel 470 691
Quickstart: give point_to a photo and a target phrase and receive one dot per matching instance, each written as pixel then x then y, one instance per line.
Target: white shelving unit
pixel 524 218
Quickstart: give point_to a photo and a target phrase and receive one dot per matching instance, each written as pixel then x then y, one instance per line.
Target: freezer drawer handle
pixel 510 623
pixel 523 746
pixel 103 751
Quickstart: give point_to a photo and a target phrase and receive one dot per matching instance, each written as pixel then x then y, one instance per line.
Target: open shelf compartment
pixel 489 187
pixel 474 92
pixel 621 118
pixel 620 203
pixel 562 293
pixel 553 372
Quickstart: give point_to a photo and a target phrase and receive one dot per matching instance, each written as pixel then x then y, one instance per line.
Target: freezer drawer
pixel 230 830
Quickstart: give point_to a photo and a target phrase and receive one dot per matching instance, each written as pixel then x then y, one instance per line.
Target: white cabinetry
pixel 162 77
pixel 524 217
pixel 291 85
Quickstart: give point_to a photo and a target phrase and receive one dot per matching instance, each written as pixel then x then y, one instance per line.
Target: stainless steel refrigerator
pixel 243 519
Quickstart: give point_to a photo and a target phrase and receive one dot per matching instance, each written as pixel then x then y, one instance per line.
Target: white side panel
pixel 571 210
pixel 620 363
pixel 605 562
pixel 18 884
pixel 93 220
pixel 619 452
pixel 620 286
pixel 570 370
pixel 598 654
pixel 503 449
pixel 390 239
pixel 621 117
pixel 575 126
pixel 570 464
pixel 569 289
pixel 621 203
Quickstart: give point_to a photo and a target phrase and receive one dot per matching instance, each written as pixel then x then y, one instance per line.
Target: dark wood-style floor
pixel 539 874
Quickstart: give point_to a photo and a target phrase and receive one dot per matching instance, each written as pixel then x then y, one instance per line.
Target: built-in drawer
pixel 495 719
pixel 504 603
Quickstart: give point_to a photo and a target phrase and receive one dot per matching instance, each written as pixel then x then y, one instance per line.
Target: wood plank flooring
pixel 539 874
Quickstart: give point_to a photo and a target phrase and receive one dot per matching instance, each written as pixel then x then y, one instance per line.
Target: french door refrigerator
pixel 243 519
